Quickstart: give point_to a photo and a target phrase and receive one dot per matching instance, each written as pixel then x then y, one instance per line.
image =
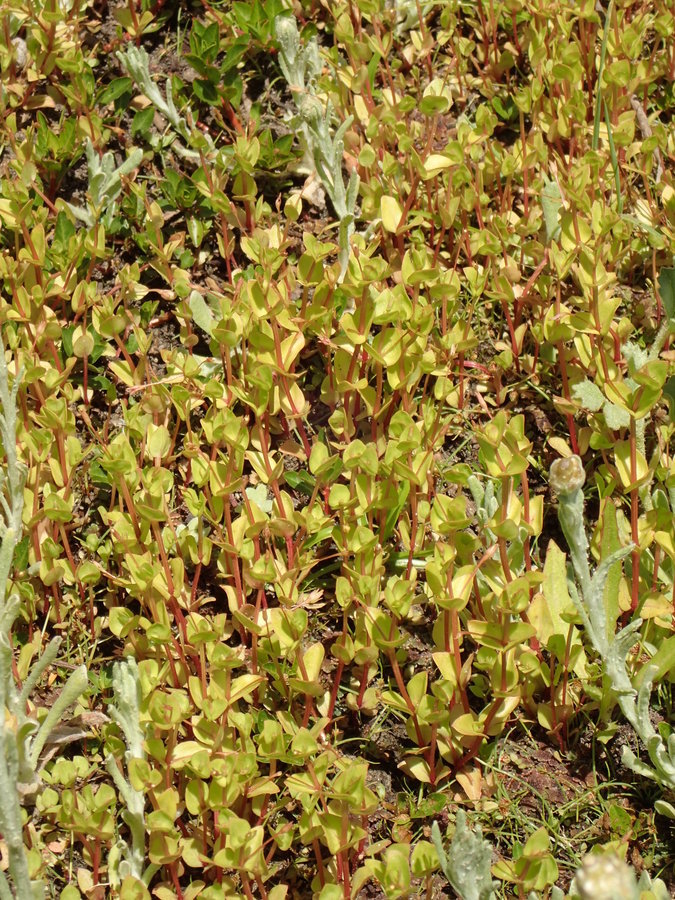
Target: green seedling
pixel 128 859
pixel 567 478
pixel 466 863
pixel 105 185
pixel 137 63
pixel 301 67
pixel 305 496
pixel 22 737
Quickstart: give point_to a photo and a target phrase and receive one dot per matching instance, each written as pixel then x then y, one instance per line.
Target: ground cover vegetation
pixel 338 399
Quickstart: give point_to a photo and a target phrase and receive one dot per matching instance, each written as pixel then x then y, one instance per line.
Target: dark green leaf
pixel 115 89
pixel 301 481
pixel 67 341
pixel 235 53
pixel 205 91
pixel 667 291
pixel 63 230
pixel 21 554
pixel 395 512
pixel 431 106
pixel 505 109
pixel 98 474
pixel 669 394
pixel 142 121
pixel 202 314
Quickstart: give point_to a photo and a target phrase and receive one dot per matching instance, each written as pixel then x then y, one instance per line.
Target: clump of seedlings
pixel 286 519
pixel 324 146
pixel 22 735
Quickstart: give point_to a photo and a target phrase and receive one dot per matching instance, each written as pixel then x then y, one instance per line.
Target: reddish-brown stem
pixel 334 690
pixel 526 187
pixel 404 692
pixel 319 861
pixel 566 393
pixel 457 653
pixel 634 514
pixel 363 684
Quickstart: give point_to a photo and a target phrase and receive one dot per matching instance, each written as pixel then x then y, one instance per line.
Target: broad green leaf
pixel 83 342
pixel 122 370
pixel 290 348
pixel 132 889
pixel 21 554
pixel 202 314
pixel 158 441
pixel 417 687
pixel 115 89
pixel 610 543
pixel 331 892
pixel 313 659
pixel 622 457
pixel 57 508
pixel 662 807
pixel 64 229
pixel 243 686
pixel 447 666
pixel 468 725
pixel 395 511
pixel 498 636
pixel 547 608
pixel 424 859
pixel 661 664
pixel 432 106
pixel 551 203
pixel 537 843
pixel 300 481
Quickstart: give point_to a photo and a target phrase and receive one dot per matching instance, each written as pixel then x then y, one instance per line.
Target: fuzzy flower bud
pixel 605 878
pixel 285 29
pixel 290 59
pixel 567 475
pixel 310 109
pixel 20 53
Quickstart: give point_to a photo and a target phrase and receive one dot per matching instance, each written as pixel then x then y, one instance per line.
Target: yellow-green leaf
pixel 391 213
pixel 435 163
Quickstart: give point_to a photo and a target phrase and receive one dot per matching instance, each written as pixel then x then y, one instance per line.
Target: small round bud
pixel 310 108
pixel 605 877
pixel 567 475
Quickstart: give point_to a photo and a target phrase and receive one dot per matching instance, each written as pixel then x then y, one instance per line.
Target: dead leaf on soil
pixel 471 781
